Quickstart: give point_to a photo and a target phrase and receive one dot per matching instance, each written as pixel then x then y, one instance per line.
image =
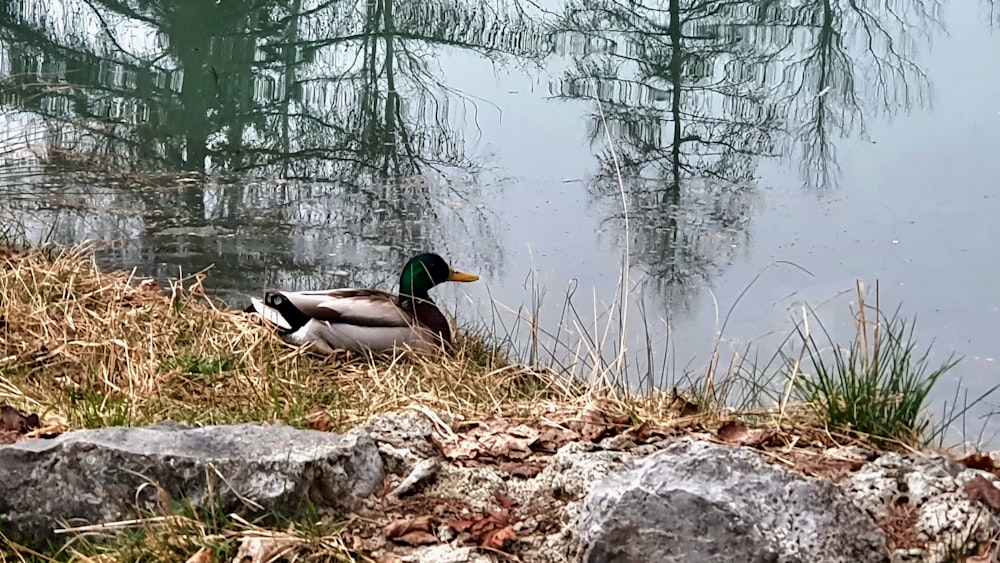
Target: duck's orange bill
pixel 457 276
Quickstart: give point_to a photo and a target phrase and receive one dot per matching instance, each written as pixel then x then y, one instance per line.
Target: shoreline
pixel 89 349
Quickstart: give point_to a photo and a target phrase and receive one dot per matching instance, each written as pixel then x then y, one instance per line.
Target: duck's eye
pixel 276 300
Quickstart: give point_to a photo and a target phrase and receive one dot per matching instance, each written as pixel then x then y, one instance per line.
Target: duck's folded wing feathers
pixel 359 307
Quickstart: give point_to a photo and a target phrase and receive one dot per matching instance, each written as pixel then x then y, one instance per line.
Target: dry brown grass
pixel 98 348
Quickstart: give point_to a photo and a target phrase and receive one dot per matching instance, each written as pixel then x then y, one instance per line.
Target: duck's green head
pixel 425 271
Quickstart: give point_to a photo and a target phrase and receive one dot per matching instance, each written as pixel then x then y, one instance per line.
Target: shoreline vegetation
pixel 86 348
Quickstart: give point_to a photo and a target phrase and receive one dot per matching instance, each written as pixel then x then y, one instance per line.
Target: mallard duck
pixel 366 319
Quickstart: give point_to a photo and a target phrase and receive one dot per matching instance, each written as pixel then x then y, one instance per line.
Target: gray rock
pixel 423 472
pixel 697 501
pixel 555 496
pixel 475 486
pixel 96 476
pixel 946 522
pixel 445 554
pixel 403 439
pixel 576 467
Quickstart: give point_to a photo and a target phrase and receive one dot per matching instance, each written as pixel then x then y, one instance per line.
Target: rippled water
pixel 307 144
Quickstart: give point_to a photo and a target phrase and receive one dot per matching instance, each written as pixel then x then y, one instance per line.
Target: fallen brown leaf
pixel 478 462
pixel 263 549
pixel 461 525
pixel 523 431
pixel 477 428
pixel 414 530
pixel 456 449
pixel 619 419
pixel 498 441
pixel 979 488
pixel 387 486
pixel 686 426
pixel 761 439
pixel 979 461
pixel 15 420
pixel 830 469
pixel 416 538
pixel 524 469
pixel 985 553
pixel 389 558
pixel 50 428
pixel 489 521
pixel 551 438
pixel 492 530
pixel 646 430
pixel 505 501
pixel 512 443
pixel 403 525
pixel 734 432
pixel 357 543
pixel 203 555
pixel 682 405
pixel 497 539
pixel 319 419
pixel 590 424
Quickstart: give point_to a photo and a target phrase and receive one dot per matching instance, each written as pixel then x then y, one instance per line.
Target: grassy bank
pixel 96 348
pixel 84 348
pixel 89 348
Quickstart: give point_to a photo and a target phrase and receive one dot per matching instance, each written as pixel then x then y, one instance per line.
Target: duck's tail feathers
pixel 269 314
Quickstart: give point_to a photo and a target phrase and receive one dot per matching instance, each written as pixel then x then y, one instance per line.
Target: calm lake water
pixel 307 144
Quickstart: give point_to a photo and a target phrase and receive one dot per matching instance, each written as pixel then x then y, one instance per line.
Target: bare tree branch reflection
pixel 343 101
pixel 852 59
pixel 696 93
pixel 688 124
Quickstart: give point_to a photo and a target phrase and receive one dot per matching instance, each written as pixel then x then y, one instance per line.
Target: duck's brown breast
pixel 429 316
